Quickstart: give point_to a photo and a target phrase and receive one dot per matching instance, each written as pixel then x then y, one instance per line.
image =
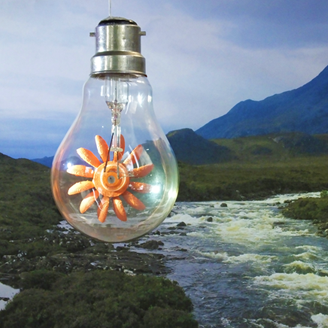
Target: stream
pixel 245 265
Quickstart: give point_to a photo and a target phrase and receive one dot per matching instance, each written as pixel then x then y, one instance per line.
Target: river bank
pixel 32 242
pixel 244 264
pixel 33 245
pixel 143 297
pixel 258 178
pixel 195 246
pixel 310 208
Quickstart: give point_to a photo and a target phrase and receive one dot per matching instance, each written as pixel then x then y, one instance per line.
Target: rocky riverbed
pixel 70 251
pixel 62 274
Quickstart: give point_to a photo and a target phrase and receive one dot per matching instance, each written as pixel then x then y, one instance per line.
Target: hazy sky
pixel 203 57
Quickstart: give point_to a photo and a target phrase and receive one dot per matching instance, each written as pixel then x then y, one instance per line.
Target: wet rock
pixel 121 249
pixel 67 263
pixel 224 205
pixel 170 231
pixel 6 299
pixel 210 219
pixel 181 224
pixel 291 319
pixel 151 244
pixel 100 248
pixel 71 252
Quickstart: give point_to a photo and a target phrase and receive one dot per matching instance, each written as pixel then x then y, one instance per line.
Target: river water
pixel 250 266
pixel 245 265
pixel 6 292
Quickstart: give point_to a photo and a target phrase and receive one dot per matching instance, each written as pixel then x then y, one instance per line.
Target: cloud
pixel 266 23
pixel 199 70
pixel 202 58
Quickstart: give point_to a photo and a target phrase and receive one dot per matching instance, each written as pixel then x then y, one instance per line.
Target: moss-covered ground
pixel 68 280
pixel 239 180
pixel 99 299
pixel 314 209
pixel 60 287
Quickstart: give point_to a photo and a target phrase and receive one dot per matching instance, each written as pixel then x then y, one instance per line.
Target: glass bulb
pixel 114 176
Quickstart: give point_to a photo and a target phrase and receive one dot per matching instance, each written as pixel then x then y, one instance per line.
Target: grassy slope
pixel 263 167
pixel 99 299
pixel 52 298
pixel 26 204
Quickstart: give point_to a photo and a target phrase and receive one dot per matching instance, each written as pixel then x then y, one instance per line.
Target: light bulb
pixel 114 176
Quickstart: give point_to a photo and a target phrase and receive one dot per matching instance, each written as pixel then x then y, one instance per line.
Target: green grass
pixel 254 148
pixel 276 147
pixel 250 180
pixel 100 299
pixel 28 216
pixel 314 209
pixel 261 166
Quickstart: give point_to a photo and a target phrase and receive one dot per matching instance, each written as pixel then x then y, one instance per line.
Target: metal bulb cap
pixel 118 47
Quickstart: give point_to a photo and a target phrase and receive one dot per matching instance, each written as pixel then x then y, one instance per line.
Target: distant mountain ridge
pixel 300 110
pixel 187 146
pixel 46 161
pixel 193 149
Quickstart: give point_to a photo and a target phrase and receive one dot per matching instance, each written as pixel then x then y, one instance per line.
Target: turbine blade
pixel 142 171
pixel 133 201
pixel 102 147
pixel 88 200
pixel 134 155
pixel 89 157
pixel 81 171
pixel 80 186
pixel 103 209
pixel 141 187
pixel 119 209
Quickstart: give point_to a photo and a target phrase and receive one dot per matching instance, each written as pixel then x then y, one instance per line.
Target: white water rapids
pixel 245 265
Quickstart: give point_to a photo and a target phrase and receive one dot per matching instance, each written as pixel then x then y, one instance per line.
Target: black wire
pixel 110 145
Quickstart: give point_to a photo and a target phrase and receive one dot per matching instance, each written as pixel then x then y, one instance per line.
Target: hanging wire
pixel 108 154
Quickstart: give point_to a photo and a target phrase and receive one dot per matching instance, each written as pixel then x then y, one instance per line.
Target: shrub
pixel 99 299
pixel 324 194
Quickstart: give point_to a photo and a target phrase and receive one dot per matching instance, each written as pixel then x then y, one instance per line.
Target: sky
pixel 202 58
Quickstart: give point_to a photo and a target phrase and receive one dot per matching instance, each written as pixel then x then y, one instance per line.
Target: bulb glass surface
pixel 114 176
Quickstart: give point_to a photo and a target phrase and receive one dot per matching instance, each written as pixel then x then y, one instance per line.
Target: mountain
pixel 193 149
pixel 301 110
pixel 277 147
pixel 46 161
pixel 187 146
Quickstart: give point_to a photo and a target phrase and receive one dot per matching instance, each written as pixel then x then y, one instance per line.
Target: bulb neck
pixel 118 48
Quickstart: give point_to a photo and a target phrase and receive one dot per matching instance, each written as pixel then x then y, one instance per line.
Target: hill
pixel 193 149
pixel 187 146
pixel 301 110
pixel 42 258
pixel 275 147
pixel 46 161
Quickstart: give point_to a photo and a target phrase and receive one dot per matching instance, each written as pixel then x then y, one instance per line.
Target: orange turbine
pixel 111 179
